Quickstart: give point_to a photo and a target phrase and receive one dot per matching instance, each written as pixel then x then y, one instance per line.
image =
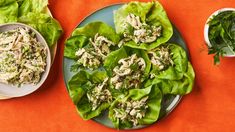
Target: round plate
pixel 106 15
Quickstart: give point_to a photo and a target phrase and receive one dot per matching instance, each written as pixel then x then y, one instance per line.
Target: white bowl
pixel 227 51
pixel 9 90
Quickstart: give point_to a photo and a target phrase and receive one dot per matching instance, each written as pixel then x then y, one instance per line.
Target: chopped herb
pixel 222 35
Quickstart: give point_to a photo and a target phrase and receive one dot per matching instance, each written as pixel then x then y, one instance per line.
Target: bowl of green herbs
pixel 219 34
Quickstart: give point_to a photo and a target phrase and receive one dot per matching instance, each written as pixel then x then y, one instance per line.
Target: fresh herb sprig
pixel 222 34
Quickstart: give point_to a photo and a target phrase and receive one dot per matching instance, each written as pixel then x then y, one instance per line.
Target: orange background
pixel 209 108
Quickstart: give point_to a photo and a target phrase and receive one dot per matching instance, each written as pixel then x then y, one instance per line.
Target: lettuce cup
pixel 171 70
pixel 90 45
pixel 139 107
pixel 90 93
pixel 143 25
pixel 127 68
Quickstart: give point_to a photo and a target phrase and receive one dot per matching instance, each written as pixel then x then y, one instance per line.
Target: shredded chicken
pixel 131 110
pixel 99 94
pixel 101 45
pixel 142 32
pixel 93 56
pixel 161 57
pixel 124 74
pixel 22 57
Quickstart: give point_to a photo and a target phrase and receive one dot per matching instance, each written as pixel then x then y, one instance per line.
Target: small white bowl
pixel 227 51
pixel 9 90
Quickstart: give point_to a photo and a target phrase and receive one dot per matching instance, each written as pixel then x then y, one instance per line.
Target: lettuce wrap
pixel 143 25
pixel 90 93
pixel 33 13
pixel 139 107
pixel 171 69
pixel 90 45
pixel 127 67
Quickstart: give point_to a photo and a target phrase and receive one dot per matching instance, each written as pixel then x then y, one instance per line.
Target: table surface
pixel 209 108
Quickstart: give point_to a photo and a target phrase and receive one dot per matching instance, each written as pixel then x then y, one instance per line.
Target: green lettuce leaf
pixel 153 102
pixel 112 61
pixel 78 86
pixel 6 2
pixel 113 58
pixel 151 13
pixel 137 8
pixel 75 84
pixel 8 11
pixel 36 6
pixel 91 29
pixel 80 39
pixel 73 44
pixel 176 79
pixel 46 25
pixel 182 86
pixel 180 64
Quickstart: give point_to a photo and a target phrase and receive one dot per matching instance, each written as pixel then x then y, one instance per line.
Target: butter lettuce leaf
pixel 78 87
pixel 81 39
pixel 8 11
pixel 113 58
pixel 180 60
pixel 36 6
pixel 46 25
pixel 154 106
pixel 73 44
pixel 182 86
pixel 6 2
pixel 103 29
pixel 176 79
pixel 124 52
pixel 151 13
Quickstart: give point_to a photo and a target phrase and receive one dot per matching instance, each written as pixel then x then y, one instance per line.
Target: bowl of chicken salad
pixel 24 60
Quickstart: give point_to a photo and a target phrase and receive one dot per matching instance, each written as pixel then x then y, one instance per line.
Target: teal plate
pixel 106 15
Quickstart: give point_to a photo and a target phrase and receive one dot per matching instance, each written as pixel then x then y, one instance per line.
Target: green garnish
pixel 222 34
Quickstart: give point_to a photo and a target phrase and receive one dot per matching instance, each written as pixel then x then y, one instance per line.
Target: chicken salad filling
pixel 99 94
pixel 22 57
pixel 140 32
pixel 93 56
pixel 128 73
pixel 131 110
pixel 161 58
